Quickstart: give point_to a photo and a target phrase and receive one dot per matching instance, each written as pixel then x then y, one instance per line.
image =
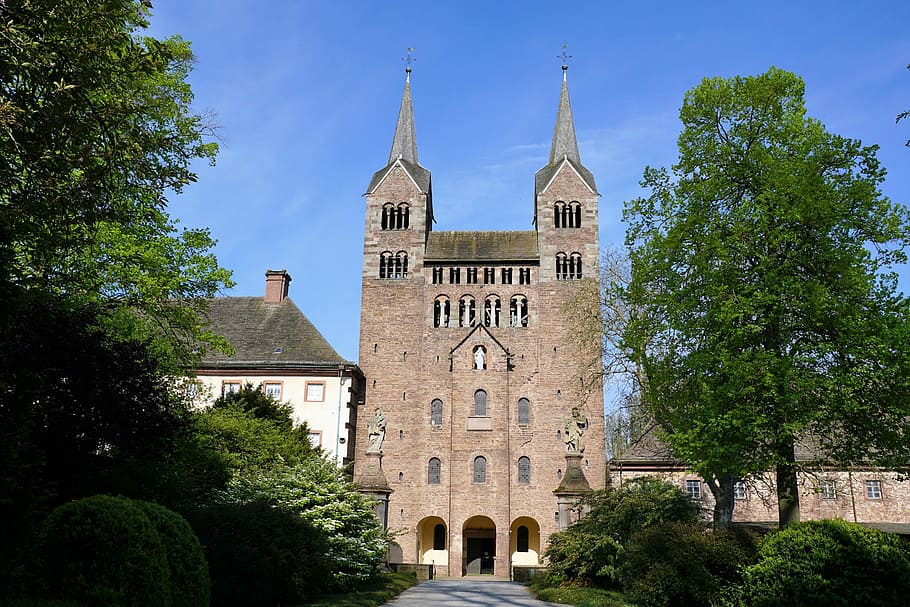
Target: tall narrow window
pixel 522 539
pixel 524 276
pixel 739 490
pixel 574 269
pixel 506 276
pixel 562 266
pixel 436 412
pixel 467 313
pixel 434 471
pixel 489 276
pixel 480 469
pixel 387 221
pixel 439 537
pixel 524 470
pixel 480 403
pixel 402 217
pixel 454 276
pixel 491 311
pixel 518 311
pixel 559 214
pixel 524 411
pixel 441 312
pixel 574 214
pixel 437 276
pixel 471 276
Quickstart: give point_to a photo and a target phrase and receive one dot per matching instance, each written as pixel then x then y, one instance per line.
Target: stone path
pixel 467 593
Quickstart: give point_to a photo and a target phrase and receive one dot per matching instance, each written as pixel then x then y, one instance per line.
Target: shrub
pixel 103 550
pixel 189 573
pixel 828 563
pixel 588 551
pixel 680 565
pixel 259 554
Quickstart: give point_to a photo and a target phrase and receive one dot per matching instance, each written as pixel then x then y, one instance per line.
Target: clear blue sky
pixel 307 93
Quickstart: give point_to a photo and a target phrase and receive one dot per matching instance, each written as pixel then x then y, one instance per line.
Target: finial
pixel 408 60
pixel 565 60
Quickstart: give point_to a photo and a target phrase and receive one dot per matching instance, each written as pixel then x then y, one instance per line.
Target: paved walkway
pixel 467 593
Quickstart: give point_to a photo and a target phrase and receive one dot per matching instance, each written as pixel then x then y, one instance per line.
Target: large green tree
pixel 766 311
pixel 96 132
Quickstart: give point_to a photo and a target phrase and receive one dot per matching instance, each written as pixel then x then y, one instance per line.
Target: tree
pixel 95 133
pixel 767 313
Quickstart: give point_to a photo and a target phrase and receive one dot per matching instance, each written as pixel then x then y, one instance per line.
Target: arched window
pixel 441 311
pixel 559 214
pixel 574 214
pixel 467 312
pixel 575 266
pixel 434 471
pixel 524 411
pixel 387 221
pixel 491 311
pixel 393 266
pixel 562 266
pixel 518 311
pixel 522 540
pixel 480 403
pixel 385 262
pixel 402 216
pixel 439 537
pixel 436 412
pixel 524 470
pixel 480 469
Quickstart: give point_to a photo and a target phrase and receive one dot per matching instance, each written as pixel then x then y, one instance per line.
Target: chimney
pixel 276 285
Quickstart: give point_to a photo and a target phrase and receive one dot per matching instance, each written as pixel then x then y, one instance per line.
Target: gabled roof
pixel 267 335
pixel 482 246
pixel 419 175
pixel 545 175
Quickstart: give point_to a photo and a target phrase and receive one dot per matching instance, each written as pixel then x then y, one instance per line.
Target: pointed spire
pixel 404 144
pixel 564 142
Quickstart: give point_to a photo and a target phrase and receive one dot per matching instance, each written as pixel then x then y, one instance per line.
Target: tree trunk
pixel 722 490
pixel 787 487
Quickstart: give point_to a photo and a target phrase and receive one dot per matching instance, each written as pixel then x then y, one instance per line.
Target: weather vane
pixel 409 59
pixel 565 59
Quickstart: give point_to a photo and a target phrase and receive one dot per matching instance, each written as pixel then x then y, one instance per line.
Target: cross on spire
pixel 409 59
pixel 565 59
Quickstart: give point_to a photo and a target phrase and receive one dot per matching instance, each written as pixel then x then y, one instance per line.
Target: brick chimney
pixel 276 285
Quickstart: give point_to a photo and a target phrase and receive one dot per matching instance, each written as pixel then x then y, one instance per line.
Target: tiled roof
pixel 482 246
pixel 268 335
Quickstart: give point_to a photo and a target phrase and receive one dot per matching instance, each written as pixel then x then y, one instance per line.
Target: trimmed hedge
pixel 829 563
pixel 189 573
pixel 103 550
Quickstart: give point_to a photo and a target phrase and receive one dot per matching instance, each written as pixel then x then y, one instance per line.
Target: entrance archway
pixel 479 534
pixel 524 541
pixel 433 542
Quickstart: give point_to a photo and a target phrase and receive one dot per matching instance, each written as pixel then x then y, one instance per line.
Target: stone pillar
pixel 372 482
pixel 573 487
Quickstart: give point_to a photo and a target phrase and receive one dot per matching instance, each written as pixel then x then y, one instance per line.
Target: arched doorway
pixel 524 541
pixel 433 542
pixel 479 546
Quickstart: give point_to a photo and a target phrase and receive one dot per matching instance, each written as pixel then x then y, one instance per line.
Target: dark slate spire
pixel 404 144
pixel 564 142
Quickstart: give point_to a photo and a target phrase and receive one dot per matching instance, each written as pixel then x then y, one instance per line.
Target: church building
pixel 480 426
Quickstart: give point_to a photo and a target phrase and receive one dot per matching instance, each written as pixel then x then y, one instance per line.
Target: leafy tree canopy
pixel 767 311
pixel 96 131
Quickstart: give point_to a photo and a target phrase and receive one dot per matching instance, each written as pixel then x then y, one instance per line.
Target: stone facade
pixel 465 346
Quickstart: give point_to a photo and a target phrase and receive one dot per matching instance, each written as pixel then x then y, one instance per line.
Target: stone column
pixel 372 482
pixel 573 487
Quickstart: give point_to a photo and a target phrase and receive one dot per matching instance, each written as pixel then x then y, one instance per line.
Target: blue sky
pixel 306 95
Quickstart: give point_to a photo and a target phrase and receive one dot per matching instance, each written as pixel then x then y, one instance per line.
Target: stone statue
pixel 575 427
pixel 376 432
pixel 480 358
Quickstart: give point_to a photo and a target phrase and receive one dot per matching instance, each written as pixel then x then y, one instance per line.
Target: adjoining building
pixel 278 348
pixel 480 427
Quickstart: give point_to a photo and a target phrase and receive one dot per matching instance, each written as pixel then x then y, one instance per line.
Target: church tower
pixel 482 428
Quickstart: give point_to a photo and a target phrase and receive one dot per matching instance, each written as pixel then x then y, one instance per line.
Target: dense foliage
pixel 103 550
pixel 682 565
pixel 766 309
pixel 828 563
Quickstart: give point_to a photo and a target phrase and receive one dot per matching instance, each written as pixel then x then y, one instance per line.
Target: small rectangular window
pixel 874 490
pixel 471 276
pixel 524 276
pixel 192 390
pixel 315 391
pixel 455 276
pixel 489 276
pixel 437 276
pixel 693 489
pixel 315 439
pixel 229 387
pixel 506 276
pixel 739 490
pixel 273 390
pixel 828 490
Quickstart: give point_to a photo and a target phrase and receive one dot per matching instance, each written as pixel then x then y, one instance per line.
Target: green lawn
pixel 384 588
pixel 579 596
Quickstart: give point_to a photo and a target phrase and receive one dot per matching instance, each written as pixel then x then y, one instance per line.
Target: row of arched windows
pixel 491 316
pixel 395 217
pixel 434 470
pixel 393 265
pixel 568 267
pixel 567 215
pixel 480 409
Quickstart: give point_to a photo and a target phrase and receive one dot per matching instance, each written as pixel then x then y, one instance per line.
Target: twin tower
pixel 482 421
